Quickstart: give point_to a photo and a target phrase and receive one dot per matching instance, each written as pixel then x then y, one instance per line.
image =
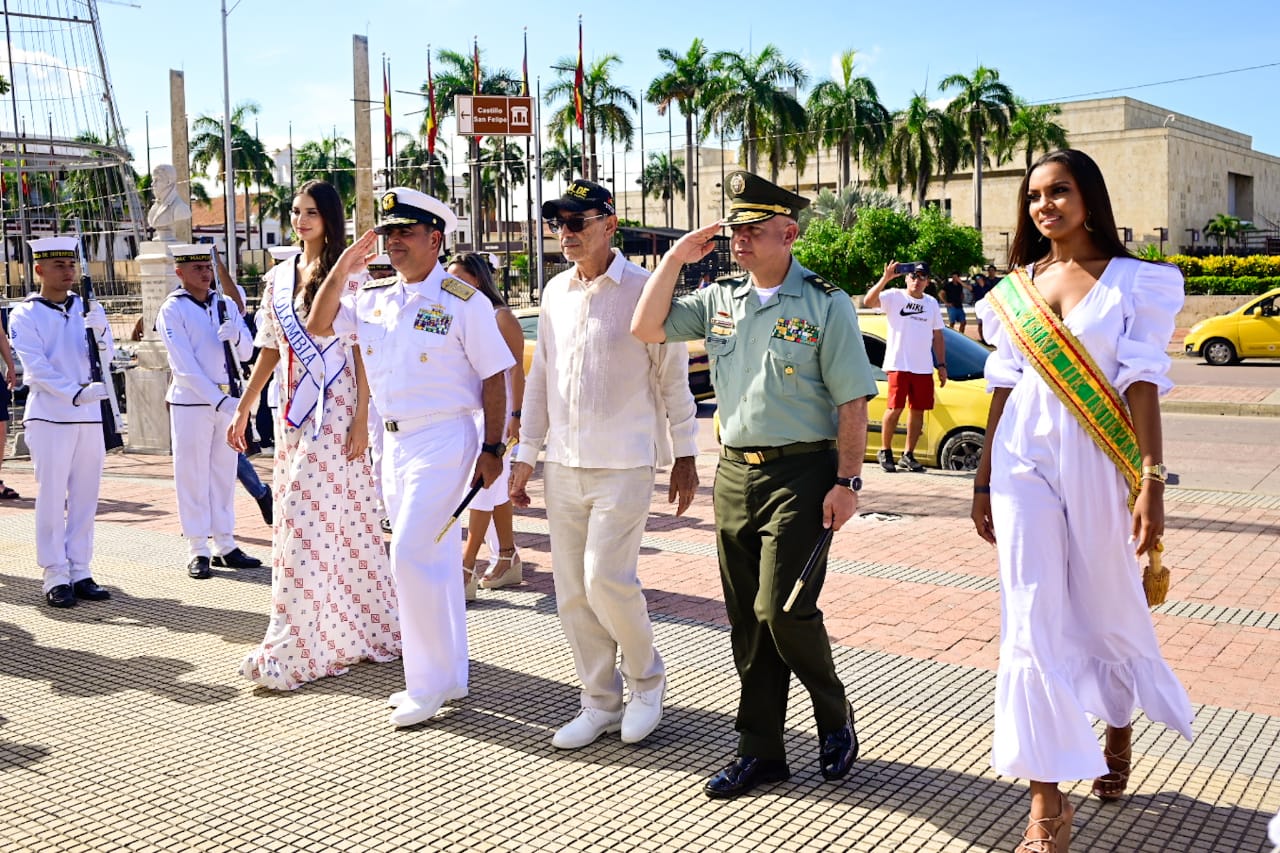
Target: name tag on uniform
pixel 796 330
pixel 433 320
pixel 722 327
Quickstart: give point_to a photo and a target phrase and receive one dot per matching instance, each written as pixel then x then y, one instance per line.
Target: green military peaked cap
pixel 753 199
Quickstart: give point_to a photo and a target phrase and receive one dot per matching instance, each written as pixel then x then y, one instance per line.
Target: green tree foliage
pixel 250 162
pixel 685 83
pixel 330 159
pixel 752 97
pixel 606 106
pixel 662 178
pixel 846 114
pixel 1034 130
pixel 853 258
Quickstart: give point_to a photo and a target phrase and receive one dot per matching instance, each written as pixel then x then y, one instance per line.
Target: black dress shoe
pixel 199 569
pixel 61 596
pixel 236 559
pixel 744 774
pixel 839 750
pixel 90 591
pixel 264 506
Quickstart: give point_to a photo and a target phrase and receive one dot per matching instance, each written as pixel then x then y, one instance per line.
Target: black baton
pixel 823 541
pixel 475 490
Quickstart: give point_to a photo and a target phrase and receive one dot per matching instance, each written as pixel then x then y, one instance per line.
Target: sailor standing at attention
pixel 201 407
pixel 433 355
pixel 62 418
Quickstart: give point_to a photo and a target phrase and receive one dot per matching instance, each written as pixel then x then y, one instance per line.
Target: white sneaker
pixel 643 713
pixel 412 711
pixel 586 727
pixel 395 700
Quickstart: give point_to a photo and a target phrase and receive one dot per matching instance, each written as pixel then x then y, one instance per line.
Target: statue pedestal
pixel 147 383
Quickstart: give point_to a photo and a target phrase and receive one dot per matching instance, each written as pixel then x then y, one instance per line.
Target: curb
pixel 1211 407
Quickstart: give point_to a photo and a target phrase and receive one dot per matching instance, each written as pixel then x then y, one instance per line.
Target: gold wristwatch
pixel 1155 472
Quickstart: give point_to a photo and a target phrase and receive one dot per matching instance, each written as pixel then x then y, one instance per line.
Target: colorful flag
pixel 524 74
pixel 386 111
pixel 433 125
pixel 475 68
pixel 577 83
pixel 26 187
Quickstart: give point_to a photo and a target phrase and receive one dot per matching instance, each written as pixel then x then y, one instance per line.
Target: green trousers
pixel 768 518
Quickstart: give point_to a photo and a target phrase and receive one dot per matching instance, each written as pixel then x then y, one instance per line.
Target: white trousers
pixel 68 464
pixel 204 476
pixel 597 517
pixel 425 474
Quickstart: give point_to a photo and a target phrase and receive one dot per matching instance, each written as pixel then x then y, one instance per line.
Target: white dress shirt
pixel 597 397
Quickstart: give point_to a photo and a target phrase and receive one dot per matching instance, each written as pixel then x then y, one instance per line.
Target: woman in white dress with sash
pixel 333 601
pixel 1070 490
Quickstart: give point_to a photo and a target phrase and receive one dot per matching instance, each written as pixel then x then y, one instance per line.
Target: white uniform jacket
pixel 197 360
pixel 427 346
pixel 50 340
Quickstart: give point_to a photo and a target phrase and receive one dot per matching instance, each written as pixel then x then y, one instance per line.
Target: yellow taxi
pixel 1250 331
pixel 699 365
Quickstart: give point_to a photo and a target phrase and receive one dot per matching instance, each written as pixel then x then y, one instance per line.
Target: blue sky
pixel 294 59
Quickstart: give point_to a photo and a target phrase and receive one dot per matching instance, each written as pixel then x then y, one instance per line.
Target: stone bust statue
pixel 168 208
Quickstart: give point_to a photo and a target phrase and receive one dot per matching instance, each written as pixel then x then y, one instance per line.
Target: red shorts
pixel 913 388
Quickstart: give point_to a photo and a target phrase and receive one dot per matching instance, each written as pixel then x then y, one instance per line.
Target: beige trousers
pixel 597 518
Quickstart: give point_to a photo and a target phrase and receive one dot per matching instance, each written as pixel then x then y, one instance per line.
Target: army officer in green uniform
pixel 792 383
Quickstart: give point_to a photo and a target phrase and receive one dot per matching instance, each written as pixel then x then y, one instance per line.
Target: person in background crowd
pixel 7 384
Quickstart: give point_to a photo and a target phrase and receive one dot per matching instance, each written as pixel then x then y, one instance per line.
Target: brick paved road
pixel 125 727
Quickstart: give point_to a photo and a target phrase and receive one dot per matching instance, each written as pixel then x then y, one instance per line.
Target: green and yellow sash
pixel 1066 366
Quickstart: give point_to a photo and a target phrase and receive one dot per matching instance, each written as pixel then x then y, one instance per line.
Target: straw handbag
pixel 1155 577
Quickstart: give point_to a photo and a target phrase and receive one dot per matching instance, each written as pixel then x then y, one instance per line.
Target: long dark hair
pixel 1029 245
pixel 477 265
pixel 329 204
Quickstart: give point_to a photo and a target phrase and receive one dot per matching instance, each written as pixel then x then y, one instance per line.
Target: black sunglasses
pixel 576 225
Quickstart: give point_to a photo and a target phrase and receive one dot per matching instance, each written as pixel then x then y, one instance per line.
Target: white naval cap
pixel 44 248
pixel 380 266
pixel 187 253
pixel 283 253
pixel 405 206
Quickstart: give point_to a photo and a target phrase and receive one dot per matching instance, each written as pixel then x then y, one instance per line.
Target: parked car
pixel 1250 331
pixel 699 365
pixel 955 430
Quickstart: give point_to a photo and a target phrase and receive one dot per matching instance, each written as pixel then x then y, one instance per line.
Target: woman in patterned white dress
pixel 333 601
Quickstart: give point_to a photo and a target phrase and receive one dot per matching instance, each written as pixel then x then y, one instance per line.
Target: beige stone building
pixel 1163 169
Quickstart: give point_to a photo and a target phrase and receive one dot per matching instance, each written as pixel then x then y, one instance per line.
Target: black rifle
pixel 110 423
pixel 233 366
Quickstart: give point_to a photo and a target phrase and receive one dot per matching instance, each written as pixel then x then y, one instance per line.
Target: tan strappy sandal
pixel 470 581
pixel 1111 786
pixel 1057 830
pixel 513 575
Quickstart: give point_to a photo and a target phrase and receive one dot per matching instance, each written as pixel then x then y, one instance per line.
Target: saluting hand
pixel 695 245
pixel 356 256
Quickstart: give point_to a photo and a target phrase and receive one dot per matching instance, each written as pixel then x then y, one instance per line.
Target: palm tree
pixel 329 159
pixel 662 178
pixel 4 85
pixel 1034 130
pixel 415 167
pixel 455 76
pixel 750 99
pixel 606 106
pixel 842 207
pixel 846 113
pixel 502 166
pixel 1223 227
pixel 278 203
pixel 561 159
pixel 924 140
pixel 685 83
pixel 250 162
pixel 983 108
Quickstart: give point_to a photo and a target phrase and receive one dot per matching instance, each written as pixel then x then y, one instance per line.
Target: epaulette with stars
pixel 460 289
pixel 375 283
pixel 822 284
pixel 731 279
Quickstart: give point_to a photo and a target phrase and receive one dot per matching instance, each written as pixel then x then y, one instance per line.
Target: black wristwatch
pixel 497 448
pixel 853 484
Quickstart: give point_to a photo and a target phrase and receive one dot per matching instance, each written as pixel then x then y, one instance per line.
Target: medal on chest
pixel 433 320
pixel 796 330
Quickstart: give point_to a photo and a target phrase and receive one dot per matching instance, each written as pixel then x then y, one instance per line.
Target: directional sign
pixel 494 115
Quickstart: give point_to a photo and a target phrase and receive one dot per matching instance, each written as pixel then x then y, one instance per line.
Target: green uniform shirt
pixel 781 368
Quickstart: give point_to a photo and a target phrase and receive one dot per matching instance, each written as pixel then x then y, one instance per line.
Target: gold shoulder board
pixel 460 289
pixel 821 283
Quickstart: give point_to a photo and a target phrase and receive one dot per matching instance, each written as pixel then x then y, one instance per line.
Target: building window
pixel 1240 196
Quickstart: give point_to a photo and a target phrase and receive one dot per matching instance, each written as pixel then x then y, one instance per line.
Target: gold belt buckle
pixel 225 389
pixel 753 457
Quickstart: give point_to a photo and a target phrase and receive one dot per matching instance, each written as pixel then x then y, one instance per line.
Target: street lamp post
pixel 1164 235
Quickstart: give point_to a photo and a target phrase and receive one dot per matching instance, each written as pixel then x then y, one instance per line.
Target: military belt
pixel 761 455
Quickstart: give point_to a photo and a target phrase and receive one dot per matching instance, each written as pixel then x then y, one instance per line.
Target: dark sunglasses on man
pixel 574 224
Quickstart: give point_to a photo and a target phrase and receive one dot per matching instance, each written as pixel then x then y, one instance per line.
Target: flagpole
pixel 580 106
pixel 473 147
pixel 529 169
pixel 537 139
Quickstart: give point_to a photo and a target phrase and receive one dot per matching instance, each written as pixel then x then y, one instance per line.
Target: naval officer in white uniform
pixel 433 355
pixel 63 418
pixel 200 408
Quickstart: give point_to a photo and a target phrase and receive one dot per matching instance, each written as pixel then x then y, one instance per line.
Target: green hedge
pixel 1228 266
pixel 1221 285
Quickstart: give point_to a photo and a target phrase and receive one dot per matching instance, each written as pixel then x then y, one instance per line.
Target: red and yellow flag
pixel 577 83
pixel 433 124
pixel 475 68
pixel 386 110
pixel 524 72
